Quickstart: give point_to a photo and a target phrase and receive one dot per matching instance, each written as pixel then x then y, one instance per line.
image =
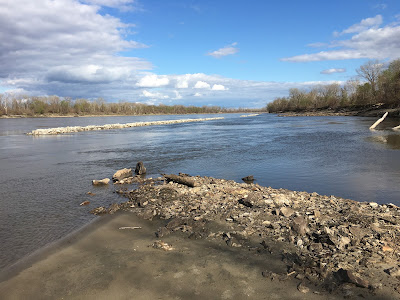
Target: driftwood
pixel 131 227
pixel 379 121
pixel 185 180
pixel 396 128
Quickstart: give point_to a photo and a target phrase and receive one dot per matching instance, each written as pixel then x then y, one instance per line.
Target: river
pixel 44 179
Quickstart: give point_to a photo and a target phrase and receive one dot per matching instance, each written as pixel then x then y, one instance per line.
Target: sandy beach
pixel 105 262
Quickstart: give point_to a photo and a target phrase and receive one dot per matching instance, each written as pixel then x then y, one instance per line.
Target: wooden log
pixel 379 121
pixel 185 180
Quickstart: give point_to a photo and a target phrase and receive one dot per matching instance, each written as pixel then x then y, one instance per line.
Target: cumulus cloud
pixel 155 95
pixel 182 81
pixel 153 81
pixel 332 71
pixel 202 85
pixel 218 87
pixel 197 95
pixel 62 43
pixel 227 50
pixel 369 41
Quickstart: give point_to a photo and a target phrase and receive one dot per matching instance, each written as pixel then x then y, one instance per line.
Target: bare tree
pixel 370 71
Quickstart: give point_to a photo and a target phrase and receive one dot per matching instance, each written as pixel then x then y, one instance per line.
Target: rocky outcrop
pixel 73 129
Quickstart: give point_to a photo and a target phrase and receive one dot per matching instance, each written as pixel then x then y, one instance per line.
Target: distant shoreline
pixel 117 115
pixel 368 112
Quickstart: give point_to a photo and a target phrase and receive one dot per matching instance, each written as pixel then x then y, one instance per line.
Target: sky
pixel 193 52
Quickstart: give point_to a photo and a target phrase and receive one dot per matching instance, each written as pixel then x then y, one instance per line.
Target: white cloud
pixel 156 95
pixel 364 25
pixel 218 87
pixel 227 50
pixel 65 47
pixel 201 85
pixel 334 70
pixel 182 81
pixel 153 81
pixel 237 93
pixel 124 5
pixel 177 95
pixel 369 41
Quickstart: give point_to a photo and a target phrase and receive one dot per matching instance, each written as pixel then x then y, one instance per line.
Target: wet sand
pixel 104 262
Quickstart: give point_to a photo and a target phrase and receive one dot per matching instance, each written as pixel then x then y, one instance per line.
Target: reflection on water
pixel 392 141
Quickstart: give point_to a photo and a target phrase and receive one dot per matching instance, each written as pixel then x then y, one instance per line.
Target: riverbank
pixel 364 112
pixel 106 262
pixel 329 244
pixel 209 238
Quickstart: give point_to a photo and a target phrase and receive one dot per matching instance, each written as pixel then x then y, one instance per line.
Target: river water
pixel 44 179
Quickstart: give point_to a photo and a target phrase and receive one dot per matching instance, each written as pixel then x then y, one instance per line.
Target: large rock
pixel 300 225
pixel 348 276
pixel 140 169
pixel 121 174
pixel 281 200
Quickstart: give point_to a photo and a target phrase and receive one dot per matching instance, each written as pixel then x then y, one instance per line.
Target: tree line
pixel 374 85
pixel 54 105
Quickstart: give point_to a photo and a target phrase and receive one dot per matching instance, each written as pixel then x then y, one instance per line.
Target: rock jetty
pixel 328 243
pixel 73 129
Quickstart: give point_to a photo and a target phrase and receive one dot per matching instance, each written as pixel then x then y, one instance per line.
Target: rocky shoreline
pixel 329 244
pixel 366 112
pixel 73 129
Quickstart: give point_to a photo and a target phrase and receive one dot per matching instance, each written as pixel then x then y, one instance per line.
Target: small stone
pixel 121 174
pixel 317 214
pixel 373 204
pixel 302 288
pixel 248 179
pixel 343 242
pixel 299 225
pixel 104 181
pixel 281 200
pixel 270 275
pixel 393 271
pixel 387 249
pixel 246 202
pixel 286 212
pixel 162 231
pixel 348 276
pixel 99 211
pixel 299 243
pixel 113 208
pixel 84 203
pixel 162 246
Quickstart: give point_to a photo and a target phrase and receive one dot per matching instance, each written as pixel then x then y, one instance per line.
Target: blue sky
pixel 228 53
